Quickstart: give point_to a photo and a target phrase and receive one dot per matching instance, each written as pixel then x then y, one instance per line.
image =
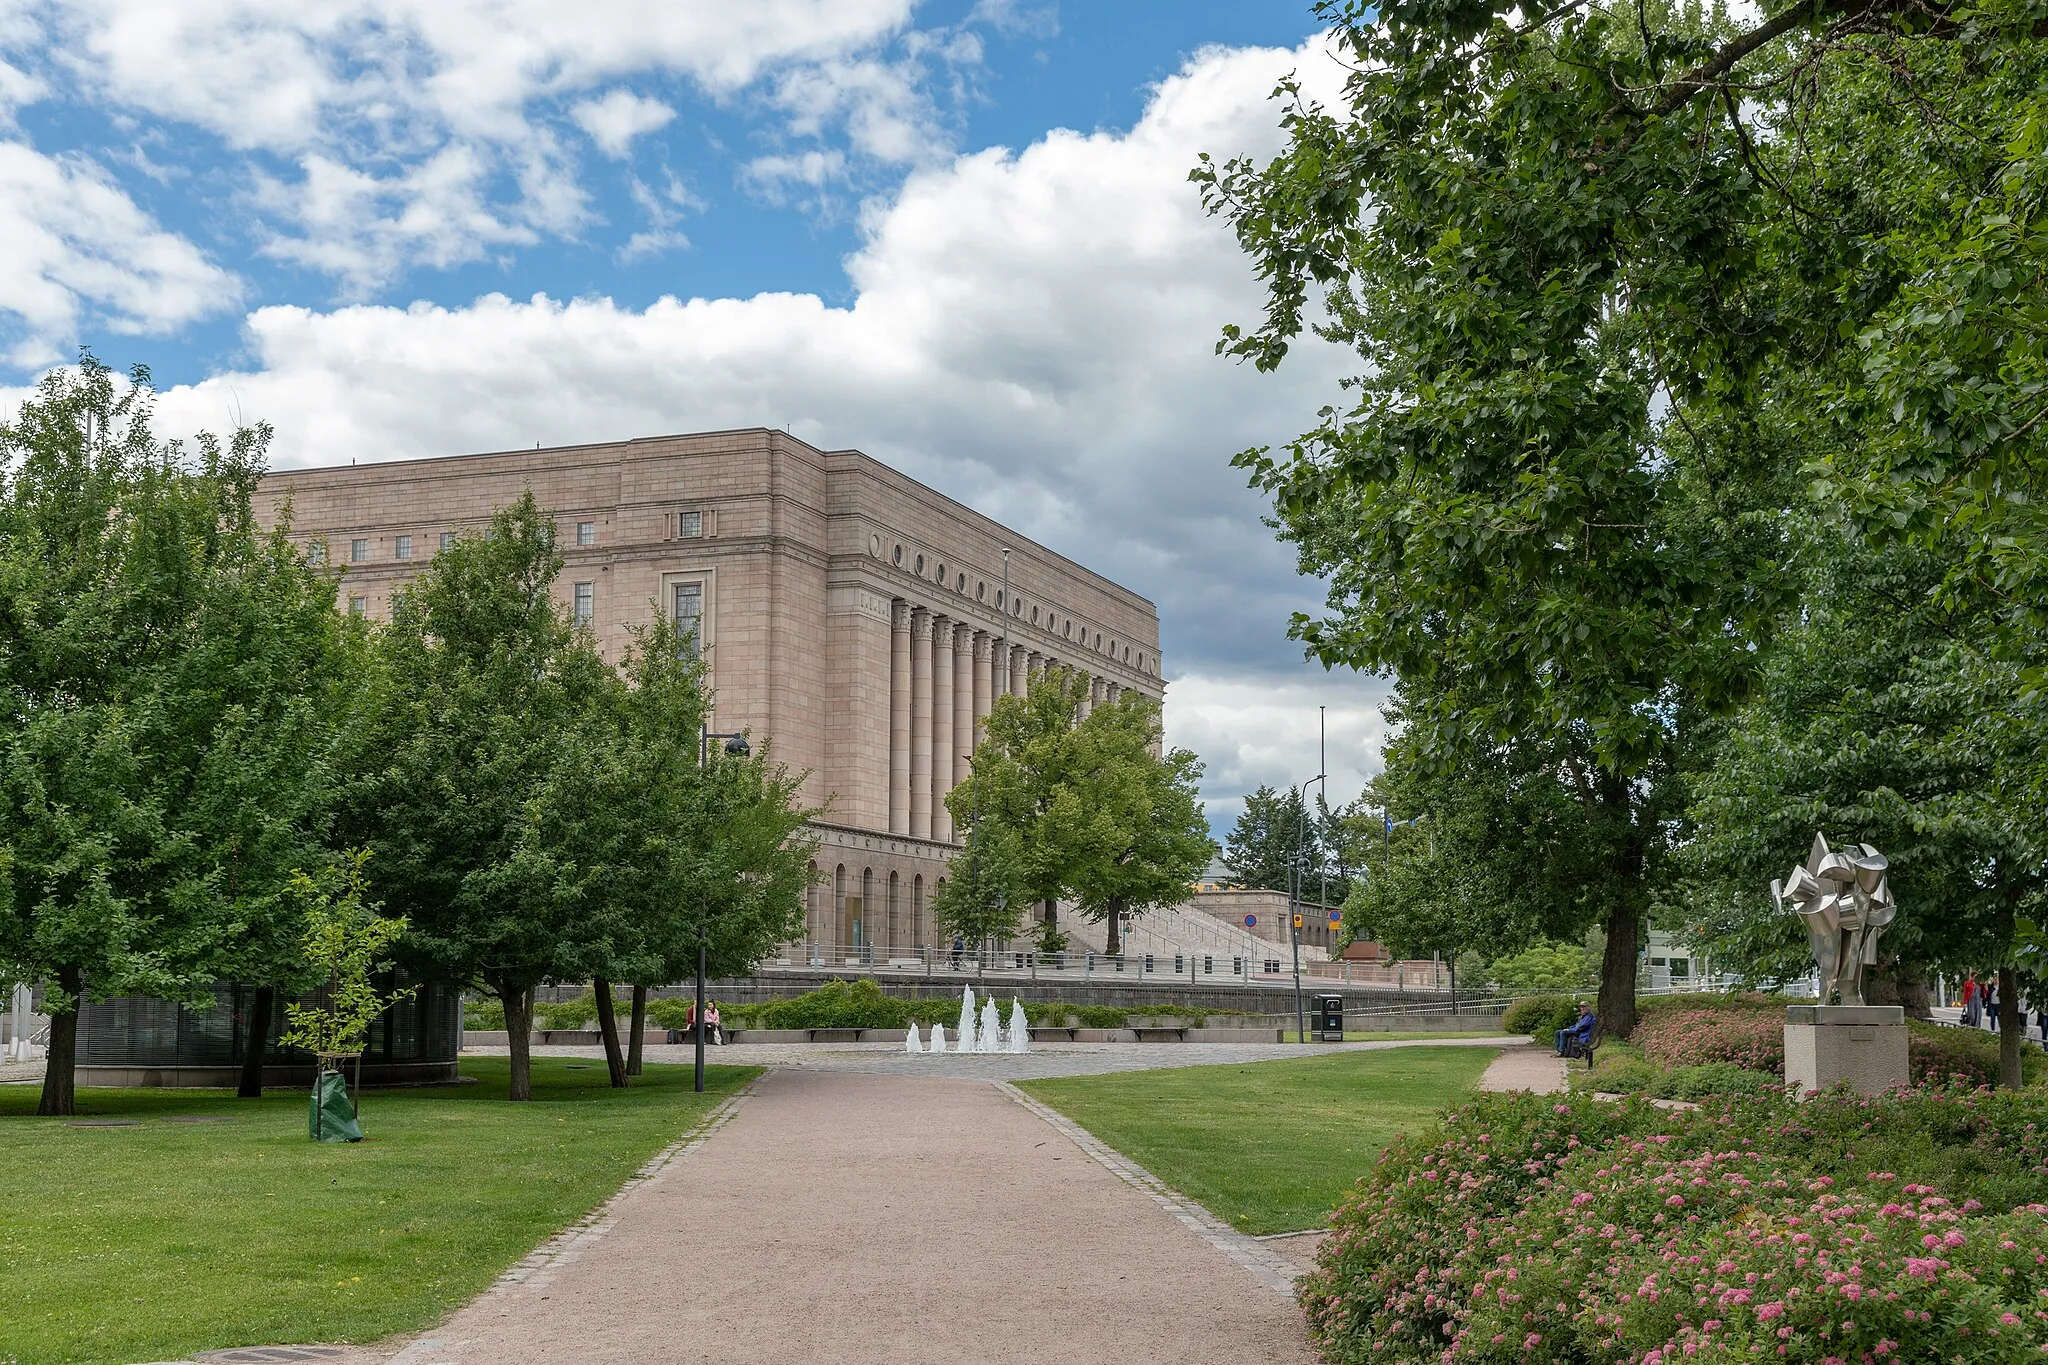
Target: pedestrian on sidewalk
pixel 1973 1002
pixel 1991 1003
pixel 959 947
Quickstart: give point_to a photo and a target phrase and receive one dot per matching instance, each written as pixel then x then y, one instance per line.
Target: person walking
pixel 1973 1002
pixel 1991 1003
pixel 959 947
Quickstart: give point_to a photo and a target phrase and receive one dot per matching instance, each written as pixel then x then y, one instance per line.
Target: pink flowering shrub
pixel 1530 1230
pixel 1753 1039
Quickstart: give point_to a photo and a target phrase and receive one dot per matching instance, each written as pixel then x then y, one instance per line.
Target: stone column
pixel 920 724
pixel 963 706
pixel 1019 656
pixel 899 718
pixel 942 728
pixel 984 680
pixel 1034 667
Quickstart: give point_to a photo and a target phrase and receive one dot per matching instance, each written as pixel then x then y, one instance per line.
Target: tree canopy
pixel 1633 285
pixel 1089 808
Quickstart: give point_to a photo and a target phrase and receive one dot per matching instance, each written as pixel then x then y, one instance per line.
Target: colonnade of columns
pixel 944 676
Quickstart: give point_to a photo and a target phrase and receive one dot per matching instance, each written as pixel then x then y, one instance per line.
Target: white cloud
pixel 423 132
pixel 614 121
pixel 1032 333
pixel 75 249
pixel 1265 731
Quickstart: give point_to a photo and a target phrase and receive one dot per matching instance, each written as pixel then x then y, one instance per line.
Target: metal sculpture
pixel 1845 902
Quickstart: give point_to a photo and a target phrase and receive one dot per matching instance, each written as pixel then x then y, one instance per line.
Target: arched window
pixel 864 928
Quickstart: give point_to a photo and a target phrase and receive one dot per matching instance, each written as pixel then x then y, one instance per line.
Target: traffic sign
pixel 1251 921
pixel 1297 921
pixel 1336 917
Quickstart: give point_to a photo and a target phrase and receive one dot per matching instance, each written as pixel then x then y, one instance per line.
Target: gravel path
pixel 1043 1061
pixel 878 1218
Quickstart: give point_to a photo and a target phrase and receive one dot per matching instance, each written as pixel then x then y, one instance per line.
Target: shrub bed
pixel 1541 1016
pixel 1533 1229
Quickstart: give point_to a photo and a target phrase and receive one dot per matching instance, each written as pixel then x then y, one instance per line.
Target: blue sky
pixel 957 235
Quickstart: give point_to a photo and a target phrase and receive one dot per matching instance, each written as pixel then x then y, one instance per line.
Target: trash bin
pixel 1329 1011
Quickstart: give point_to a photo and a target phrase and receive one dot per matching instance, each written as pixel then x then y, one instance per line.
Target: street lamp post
pixel 1294 895
pixel 736 745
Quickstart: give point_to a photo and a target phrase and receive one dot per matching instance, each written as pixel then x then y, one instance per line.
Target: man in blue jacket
pixel 1579 1034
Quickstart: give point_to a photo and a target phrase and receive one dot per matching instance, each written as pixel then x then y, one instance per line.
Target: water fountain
pixel 938 1038
pixel 1020 1027
pixel 990 1039
pixel 966 1032
pixel 910 1039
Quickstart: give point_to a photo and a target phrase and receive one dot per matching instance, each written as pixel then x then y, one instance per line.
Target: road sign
pixel 1336 917
pixel 1251 921
pixel 1297 921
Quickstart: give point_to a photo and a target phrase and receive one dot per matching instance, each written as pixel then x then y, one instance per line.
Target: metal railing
pixel 1137 964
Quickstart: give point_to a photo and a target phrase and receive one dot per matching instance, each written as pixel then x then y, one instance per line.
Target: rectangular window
pixel 447 540
pixel 359 552
pixel 690 617
pixel 586 533
pixel 358 606
pixel 401 547
pixel 689 525
pixel 586 603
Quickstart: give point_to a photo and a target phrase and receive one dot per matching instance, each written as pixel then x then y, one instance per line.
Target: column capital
pixel 899 614
pixel 984 645
pixel 921 623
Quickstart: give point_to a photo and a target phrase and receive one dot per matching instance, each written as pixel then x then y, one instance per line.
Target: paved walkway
pixel 881 1218
pixel 1525 1068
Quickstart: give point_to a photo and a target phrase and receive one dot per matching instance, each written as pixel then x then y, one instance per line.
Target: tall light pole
pixel 736 745
pixel 1294 894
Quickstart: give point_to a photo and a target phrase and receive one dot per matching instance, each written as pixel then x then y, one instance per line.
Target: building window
pixel 960 583
pixel 1034 616
pixel 897 557
pixel 401 547
pixel 359 552
pixel 981 592
pixel 999 600
pixel 920 566
pixel 447 540
pixel 1067 630
pixel 358 606
pixel 940 575
pixel 1016 606
pixel 586 533
pixel 586 603
pixel 690 618
pixel 689 525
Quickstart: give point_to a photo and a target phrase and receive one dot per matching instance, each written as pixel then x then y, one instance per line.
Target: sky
pixel 958 235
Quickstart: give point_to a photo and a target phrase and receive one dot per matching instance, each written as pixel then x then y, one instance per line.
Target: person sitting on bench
pixel 1579 1037
pixel 715 1036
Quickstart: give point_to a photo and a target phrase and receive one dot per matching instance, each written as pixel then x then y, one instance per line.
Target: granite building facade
pixel 851 618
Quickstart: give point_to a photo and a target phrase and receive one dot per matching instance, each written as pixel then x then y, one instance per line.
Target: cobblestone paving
pixel 1045 1060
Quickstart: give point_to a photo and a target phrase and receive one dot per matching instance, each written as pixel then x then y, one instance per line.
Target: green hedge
pixel 1541 1016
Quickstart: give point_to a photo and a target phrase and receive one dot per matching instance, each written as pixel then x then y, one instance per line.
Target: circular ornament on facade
pixel 875 546
pixel 981 592
pixel 960 583
pixel 898 556
pixel 941 574
pixel 920 566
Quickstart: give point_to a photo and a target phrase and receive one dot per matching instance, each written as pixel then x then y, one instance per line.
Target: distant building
pixel 851 618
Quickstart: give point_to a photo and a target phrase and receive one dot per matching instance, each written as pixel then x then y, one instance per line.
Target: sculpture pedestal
pixel 1864 1045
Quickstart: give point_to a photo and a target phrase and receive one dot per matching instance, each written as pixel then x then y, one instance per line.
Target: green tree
pixel 1094 808
pixel 1270 837
pixel 1883 716
pixel 343 940
pixel 984 892
pixel 1507 852
pixel 480 686
pixel 169 674
pixel 1547 966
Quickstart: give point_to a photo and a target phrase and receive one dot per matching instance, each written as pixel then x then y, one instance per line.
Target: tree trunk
pixel 519 1037
pixel 608 1029
pixel 1618 972
pixel 633 1044
pixel 1116 915
pixel 60 1080
pixel 254 1041
pixel 1892 982
pixel 2012 1029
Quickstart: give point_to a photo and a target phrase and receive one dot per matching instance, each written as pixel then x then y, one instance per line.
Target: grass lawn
pixel 148 1243
pixel 1371 1036
pixel 1268 1146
